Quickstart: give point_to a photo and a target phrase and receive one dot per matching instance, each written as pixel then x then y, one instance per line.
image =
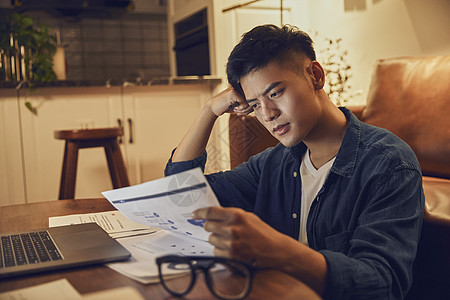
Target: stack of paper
pixel 113 222
pixel 154 219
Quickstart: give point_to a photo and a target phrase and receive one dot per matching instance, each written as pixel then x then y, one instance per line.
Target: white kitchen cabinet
pixel 12 189
pixel 155 118
pixel 160 119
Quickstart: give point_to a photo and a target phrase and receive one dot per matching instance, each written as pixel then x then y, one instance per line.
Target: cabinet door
pixel 160 118
pixel 59 109
pixel 12 189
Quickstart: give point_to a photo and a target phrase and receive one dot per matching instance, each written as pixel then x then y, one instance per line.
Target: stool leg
pixel 116 165
pixel 69 171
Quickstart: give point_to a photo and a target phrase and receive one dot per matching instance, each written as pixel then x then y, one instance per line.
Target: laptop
pixel 35 251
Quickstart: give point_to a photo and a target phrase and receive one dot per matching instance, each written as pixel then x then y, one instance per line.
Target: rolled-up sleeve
pixel 177 167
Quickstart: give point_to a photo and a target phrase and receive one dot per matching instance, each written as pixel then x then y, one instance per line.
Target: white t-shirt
pixel 312 182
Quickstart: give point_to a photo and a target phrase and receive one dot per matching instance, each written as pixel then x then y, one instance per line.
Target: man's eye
pixel 276 94
pixel 255 106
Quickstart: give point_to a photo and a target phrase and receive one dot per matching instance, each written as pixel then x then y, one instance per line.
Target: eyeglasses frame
pixel 214 259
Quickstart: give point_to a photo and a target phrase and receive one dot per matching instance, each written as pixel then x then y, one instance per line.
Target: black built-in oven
pixel 192 45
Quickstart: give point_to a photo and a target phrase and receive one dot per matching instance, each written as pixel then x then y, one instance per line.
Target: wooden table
pixel 267 284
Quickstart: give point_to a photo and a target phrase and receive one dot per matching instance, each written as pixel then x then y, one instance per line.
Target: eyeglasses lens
pixel 229 281
pixel 174 276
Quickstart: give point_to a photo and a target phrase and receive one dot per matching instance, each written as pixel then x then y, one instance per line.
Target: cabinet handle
pixel 130 125
pixel 119 123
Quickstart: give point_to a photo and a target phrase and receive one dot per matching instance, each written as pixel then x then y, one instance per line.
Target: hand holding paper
pixel 167 203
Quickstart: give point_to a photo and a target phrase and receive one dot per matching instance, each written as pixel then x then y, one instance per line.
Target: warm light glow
pixel 59 63
pixel 22 62
pixel 13 70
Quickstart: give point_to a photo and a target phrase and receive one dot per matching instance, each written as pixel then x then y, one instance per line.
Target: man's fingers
pixel 243 112
pixel 219 242
pixel 218 227
pixel 237 101
pixel 223 248
pixel 221 253
pixel 233 105
pixel 214 213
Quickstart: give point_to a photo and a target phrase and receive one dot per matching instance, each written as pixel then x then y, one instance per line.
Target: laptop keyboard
pixel 27 248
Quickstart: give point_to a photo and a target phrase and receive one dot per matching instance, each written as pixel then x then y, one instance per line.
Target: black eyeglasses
pixel 227 279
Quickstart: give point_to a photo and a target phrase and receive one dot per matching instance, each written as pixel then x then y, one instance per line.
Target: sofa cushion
pixel 437 195
pixel 410 96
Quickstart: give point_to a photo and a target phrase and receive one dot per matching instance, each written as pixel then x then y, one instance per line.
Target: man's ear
pixel 318 74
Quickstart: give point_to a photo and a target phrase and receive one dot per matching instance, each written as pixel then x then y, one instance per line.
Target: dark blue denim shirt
pixel 366 219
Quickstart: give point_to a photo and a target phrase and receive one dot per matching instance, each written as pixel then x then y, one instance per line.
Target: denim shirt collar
pixel 345 162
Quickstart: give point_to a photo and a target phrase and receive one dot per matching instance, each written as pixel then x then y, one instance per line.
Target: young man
pixel 337 203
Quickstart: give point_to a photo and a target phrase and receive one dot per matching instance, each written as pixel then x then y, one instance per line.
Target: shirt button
pixel 295 174
pixel 294 215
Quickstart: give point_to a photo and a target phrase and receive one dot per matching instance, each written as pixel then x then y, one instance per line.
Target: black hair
pixel 264 44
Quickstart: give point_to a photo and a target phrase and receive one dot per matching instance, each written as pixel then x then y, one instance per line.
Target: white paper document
pixel 167 203
pixel 61 289
pixel 145 249
pixel 120 293
pixel 113 222
pixel 54 290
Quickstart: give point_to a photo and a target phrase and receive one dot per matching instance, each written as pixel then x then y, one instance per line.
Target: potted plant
pixel 26 50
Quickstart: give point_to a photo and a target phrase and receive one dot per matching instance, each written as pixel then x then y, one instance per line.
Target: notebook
pixel 40 250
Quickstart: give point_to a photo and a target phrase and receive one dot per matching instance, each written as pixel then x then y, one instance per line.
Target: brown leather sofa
pixel 409 96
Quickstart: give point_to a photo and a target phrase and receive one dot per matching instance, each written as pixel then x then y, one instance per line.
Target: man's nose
pixel 269 111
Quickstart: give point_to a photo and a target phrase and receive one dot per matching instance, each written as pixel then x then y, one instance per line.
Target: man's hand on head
pixel 228 101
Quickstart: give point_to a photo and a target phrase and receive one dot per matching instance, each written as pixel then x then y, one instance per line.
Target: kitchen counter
pixel 172 80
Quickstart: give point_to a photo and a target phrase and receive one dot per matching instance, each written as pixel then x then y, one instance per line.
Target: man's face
pixel 284 102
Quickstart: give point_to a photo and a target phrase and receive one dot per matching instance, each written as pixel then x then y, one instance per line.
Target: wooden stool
pixel 89 138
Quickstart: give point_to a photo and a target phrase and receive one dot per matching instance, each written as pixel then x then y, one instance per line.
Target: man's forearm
pixel 303 263
pixel 194 142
